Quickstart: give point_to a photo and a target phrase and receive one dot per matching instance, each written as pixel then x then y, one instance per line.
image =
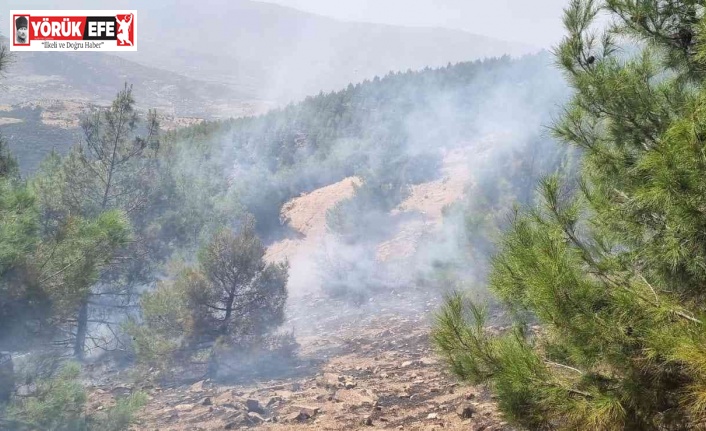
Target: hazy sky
pixel 537 22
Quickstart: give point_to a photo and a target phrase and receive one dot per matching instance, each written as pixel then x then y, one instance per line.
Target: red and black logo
pixel 119 28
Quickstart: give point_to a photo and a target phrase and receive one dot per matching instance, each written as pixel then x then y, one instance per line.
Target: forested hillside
pixel 283 270
pixel 389 131
pixel 149 246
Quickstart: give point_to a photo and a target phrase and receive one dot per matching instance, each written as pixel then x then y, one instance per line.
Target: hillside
pixel 94 78
pixel 353 189
pixel 360 369
pixel 330 225
pixel 268 52
pixel 285 54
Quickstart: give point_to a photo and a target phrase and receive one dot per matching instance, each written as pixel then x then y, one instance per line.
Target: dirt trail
pixel 426 204
pixel 306 214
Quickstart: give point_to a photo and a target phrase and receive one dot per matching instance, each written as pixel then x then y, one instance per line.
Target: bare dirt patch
pixel 306 214
pixel 373 371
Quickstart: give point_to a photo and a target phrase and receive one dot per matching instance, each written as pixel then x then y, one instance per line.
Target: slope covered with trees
pixel 151 245
pixel 388 131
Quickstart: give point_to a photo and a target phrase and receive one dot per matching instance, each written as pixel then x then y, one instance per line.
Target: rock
pixel 350 385
pixel 184 408
pixel 121 391
pixel 432 416
pixel 308 411
pixel 197 387
pixel 465 412
pixel 232 425
pixel 331 380
pixel 407 364
pixel 248 419
pixel 405 395
pixel 368 421
pixel 428 361
pixel 203 417
pixel 273 400
pixel 254 406
pixel 26 390
pixel 299 417
pixel 253 419
pixel 207 402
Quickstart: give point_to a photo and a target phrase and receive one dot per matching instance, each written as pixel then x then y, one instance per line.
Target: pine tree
pixel 612 265
pixel 242 295
pixel 232 300
pixel 114 169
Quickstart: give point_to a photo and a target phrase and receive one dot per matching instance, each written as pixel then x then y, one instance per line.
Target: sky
pixel 536 22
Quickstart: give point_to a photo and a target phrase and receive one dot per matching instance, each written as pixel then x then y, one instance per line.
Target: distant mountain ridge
pixel 274 52
pixel 271 52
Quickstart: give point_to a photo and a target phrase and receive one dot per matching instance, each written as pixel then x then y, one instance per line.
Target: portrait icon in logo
pixel 21 30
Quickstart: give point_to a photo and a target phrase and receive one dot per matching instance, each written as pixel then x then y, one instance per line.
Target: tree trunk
pixel 229 312
pixel 7 377
pixel 82 326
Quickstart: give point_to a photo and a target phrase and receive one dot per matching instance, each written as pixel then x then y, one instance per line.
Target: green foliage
pixel 387 131
pixel 167 323
pixel 74 258
pixel 241 295
pixel 612 266
pixel 231 301
pixel 112 174
pixel 42 277
pixel 18 222
pixel 8 164
pixel 59 402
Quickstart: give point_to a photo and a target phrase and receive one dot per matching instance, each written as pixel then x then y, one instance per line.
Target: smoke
pixel 492 122
pixel 394 134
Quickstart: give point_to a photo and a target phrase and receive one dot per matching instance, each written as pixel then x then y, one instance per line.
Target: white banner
pixel 73 30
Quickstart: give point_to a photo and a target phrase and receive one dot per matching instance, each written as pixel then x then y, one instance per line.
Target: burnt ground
pixel 371 367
